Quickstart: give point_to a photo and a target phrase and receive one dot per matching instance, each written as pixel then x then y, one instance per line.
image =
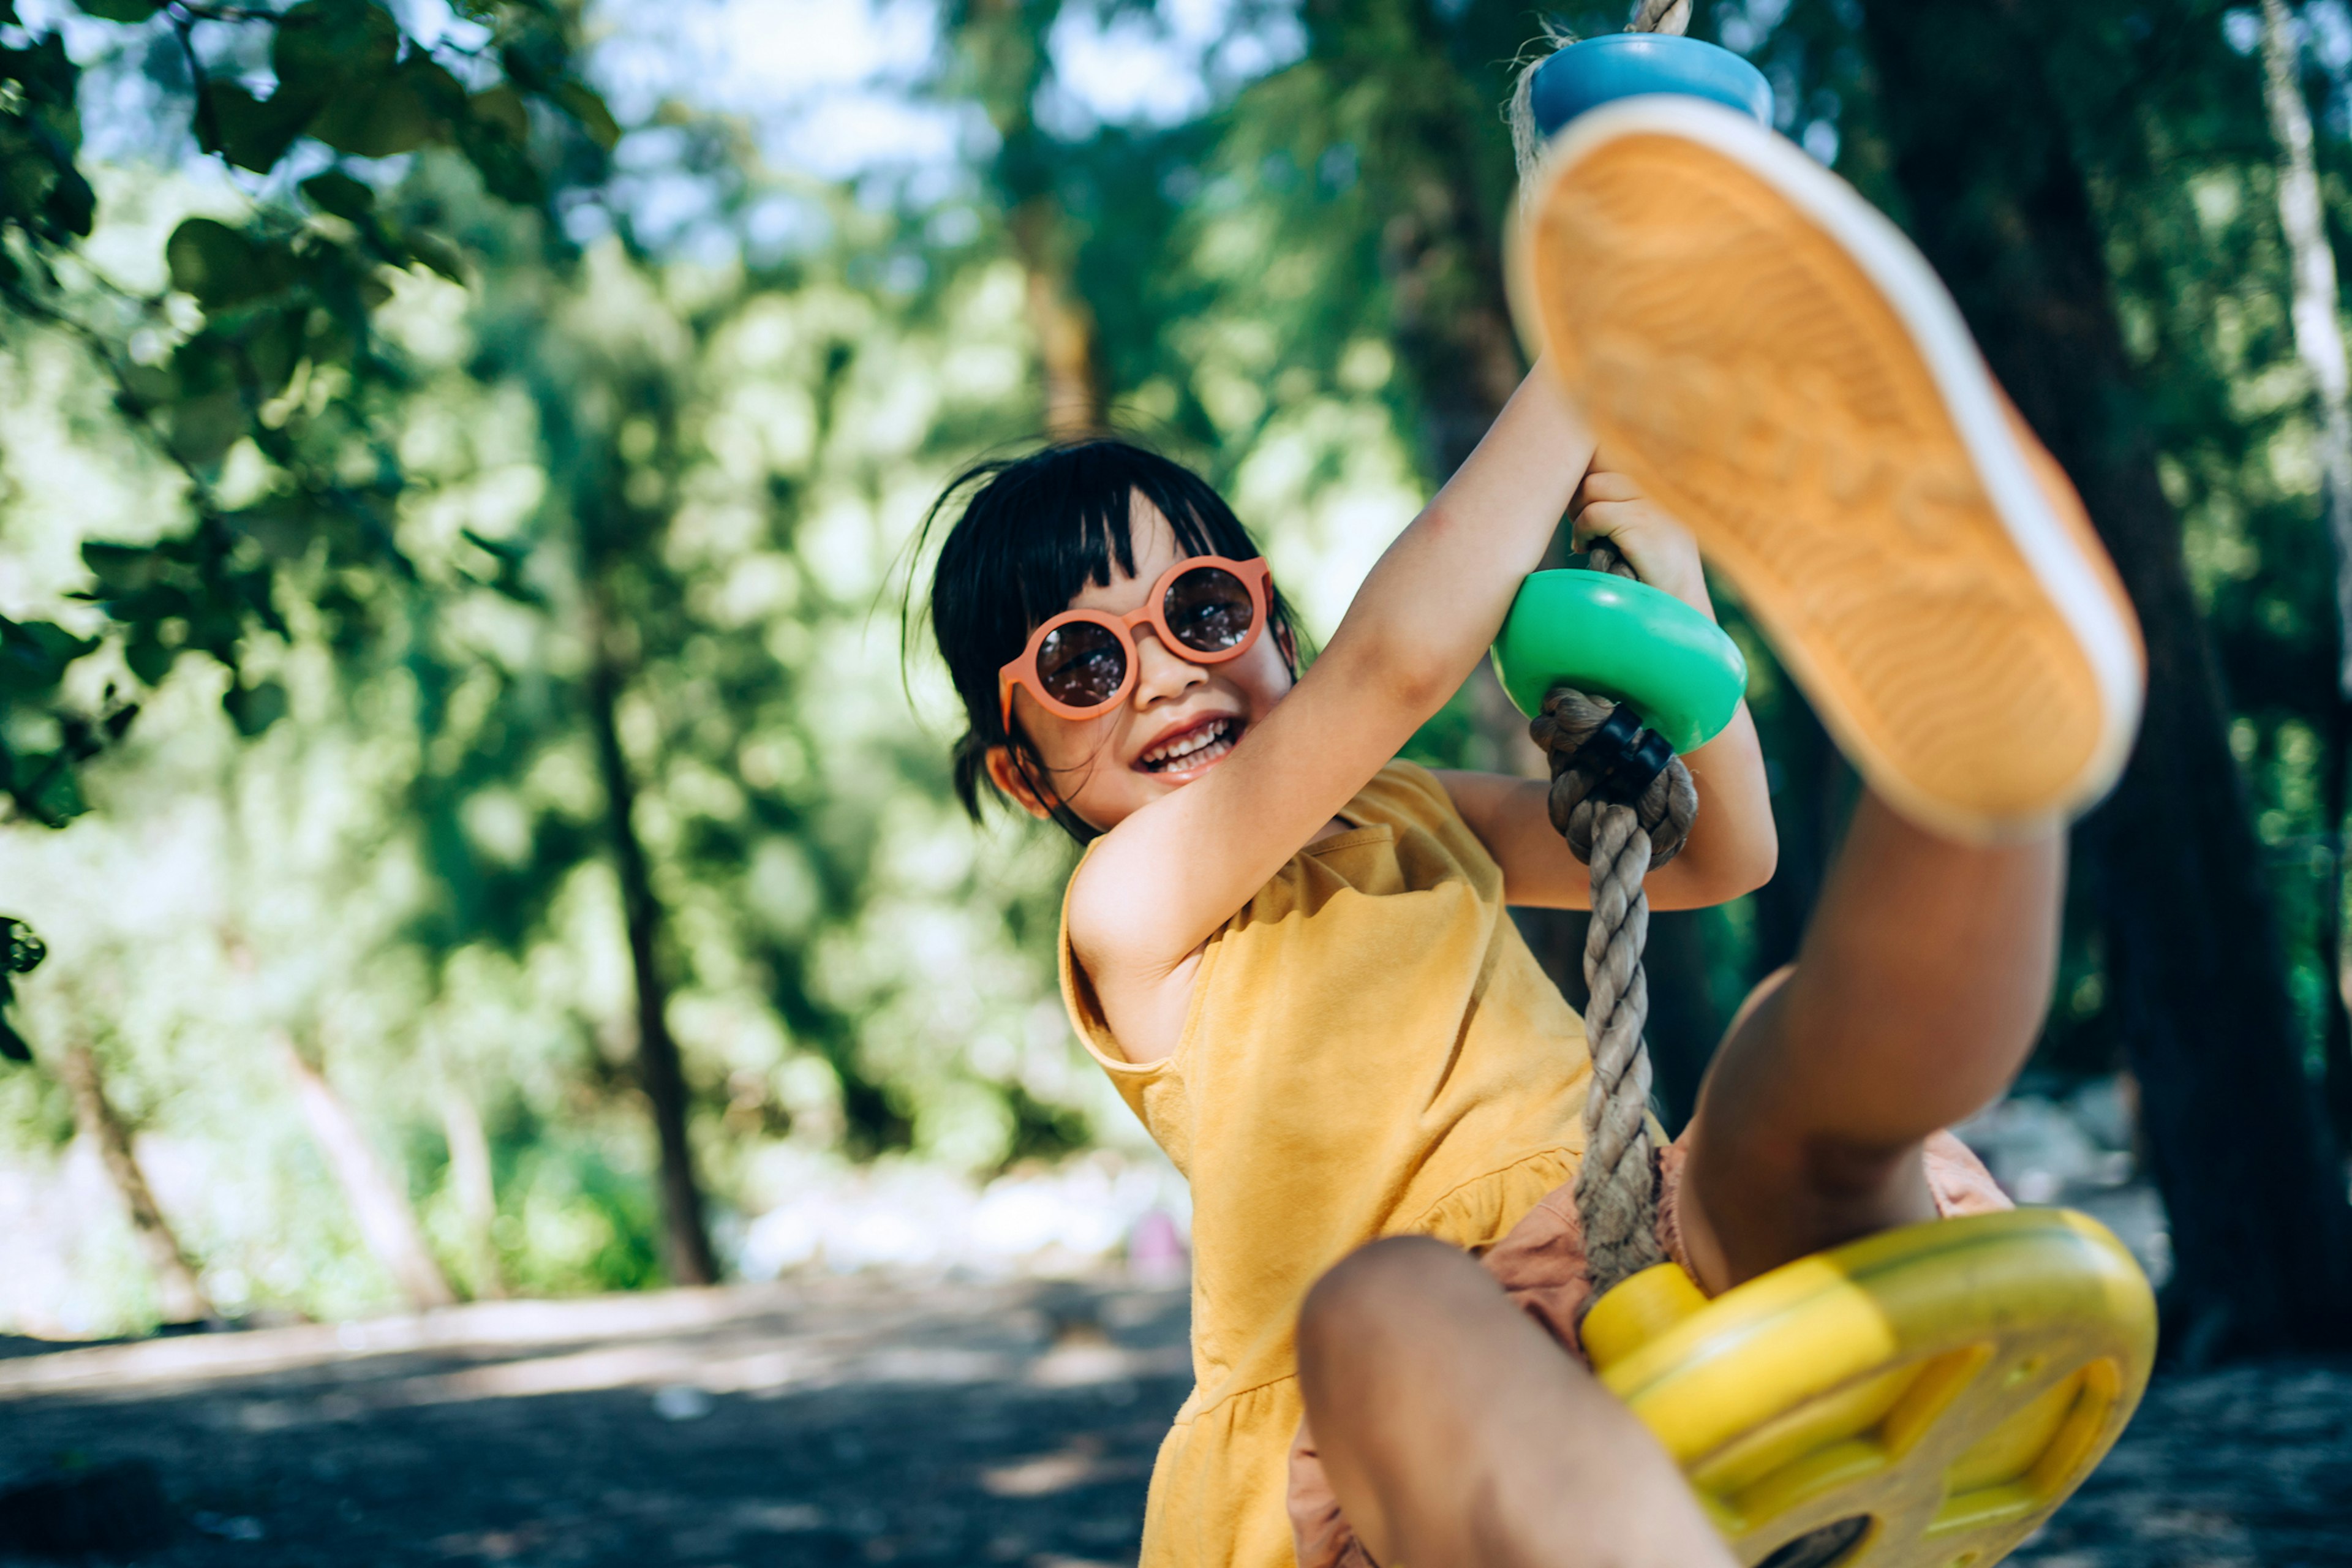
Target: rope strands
pixel 1624 803
pixel 1660 16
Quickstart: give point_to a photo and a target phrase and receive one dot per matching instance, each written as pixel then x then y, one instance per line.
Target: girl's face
pixel 1181 720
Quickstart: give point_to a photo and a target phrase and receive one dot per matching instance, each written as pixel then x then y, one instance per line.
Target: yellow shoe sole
pixel 1774 363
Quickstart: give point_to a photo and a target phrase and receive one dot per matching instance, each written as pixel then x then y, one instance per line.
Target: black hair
pixel 1035 532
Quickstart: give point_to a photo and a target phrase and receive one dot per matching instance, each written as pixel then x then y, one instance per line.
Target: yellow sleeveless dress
pixel 1371 1050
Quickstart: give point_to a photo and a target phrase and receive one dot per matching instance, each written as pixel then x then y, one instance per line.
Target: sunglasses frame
pixel 1254 575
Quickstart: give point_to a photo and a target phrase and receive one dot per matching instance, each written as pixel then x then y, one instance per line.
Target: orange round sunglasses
pixel 1205 609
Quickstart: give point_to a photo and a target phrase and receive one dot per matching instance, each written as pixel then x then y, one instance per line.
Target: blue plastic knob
pixel 1623 65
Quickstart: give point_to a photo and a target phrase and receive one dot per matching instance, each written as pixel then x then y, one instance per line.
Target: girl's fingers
pixel 1602 485
pixel 1602 518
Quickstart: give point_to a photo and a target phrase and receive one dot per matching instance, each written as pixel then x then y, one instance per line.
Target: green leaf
pixel 284 526
pixel 203 428
pixel 328 49
pixel 437 253
pixel 501 108
pixel 162 602
pixel 511 556
pixel 223 268
pixel 151 384
pixel 253 709
pixel 48 75
pixel 273 347
pixel 34 655
pixel 54 796
pixel 442 93
pixel 204 364
pixel 512 552
pixel 252 134
pixel 584 104
pixel 534 56
pixel 120 10
pixel 506 169
pixel 72 205
pixel 337 192
pixel 26 951
pixel 209 259
pixel 389 120
pixel 397 114
pixel 256 593
pixel 26 177
pixel 149 660
pixel 121 568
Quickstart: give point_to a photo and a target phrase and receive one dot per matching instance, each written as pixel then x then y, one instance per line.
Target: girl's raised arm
pixel 1162 880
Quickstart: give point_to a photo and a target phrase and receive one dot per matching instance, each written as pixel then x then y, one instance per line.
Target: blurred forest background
pixel 457 463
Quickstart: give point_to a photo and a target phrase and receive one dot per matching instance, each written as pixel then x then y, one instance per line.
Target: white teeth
pixel 1199 740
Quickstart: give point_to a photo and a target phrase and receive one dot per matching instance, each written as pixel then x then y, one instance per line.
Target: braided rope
pixel 1660 16
pixel 1616 1186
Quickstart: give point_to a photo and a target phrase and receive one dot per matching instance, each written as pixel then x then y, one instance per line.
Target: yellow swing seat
pixel 1921 1398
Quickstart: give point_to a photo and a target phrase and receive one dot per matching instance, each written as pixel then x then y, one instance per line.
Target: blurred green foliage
pixel 469 507
pixel 264 333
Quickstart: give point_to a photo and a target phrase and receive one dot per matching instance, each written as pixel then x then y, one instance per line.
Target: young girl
pixel 1290 950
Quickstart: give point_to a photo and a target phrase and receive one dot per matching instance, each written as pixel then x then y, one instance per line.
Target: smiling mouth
pixel 1190 748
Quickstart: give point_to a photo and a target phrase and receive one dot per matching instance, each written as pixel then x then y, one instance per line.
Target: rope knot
pixel 1601 755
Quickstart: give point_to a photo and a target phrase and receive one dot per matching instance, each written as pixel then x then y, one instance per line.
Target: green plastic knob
pixel 1626 641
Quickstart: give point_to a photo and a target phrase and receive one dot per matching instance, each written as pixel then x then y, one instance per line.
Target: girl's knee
pixel 1370 1291
pixel 1758 995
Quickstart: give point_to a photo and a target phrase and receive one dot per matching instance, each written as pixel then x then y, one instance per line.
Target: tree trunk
pixel 386 1221
pixel 2334 935
pixel 178 1291
pixel 2261 1235
pixel 2318 335
pixel 660 1072
pixel 2319 343
pixel 1068 352
pixel 1004 42
pixel 470 1177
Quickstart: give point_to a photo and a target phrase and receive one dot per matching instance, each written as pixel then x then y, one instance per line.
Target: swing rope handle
pixel 1622 813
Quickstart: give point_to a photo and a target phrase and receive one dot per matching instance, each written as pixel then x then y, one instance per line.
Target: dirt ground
pixel 861 1422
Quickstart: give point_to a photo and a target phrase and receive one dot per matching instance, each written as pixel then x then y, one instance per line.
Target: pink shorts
pixel 1540 1264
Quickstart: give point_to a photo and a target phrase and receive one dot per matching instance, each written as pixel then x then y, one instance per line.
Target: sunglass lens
pixel 1209 609
pixel 1081 664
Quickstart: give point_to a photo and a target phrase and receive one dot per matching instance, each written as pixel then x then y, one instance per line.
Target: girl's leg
pixel 1925 572
pixel 1454 1431
pixel 1916 995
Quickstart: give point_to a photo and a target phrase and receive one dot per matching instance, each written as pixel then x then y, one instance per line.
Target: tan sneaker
pixel 1773 362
